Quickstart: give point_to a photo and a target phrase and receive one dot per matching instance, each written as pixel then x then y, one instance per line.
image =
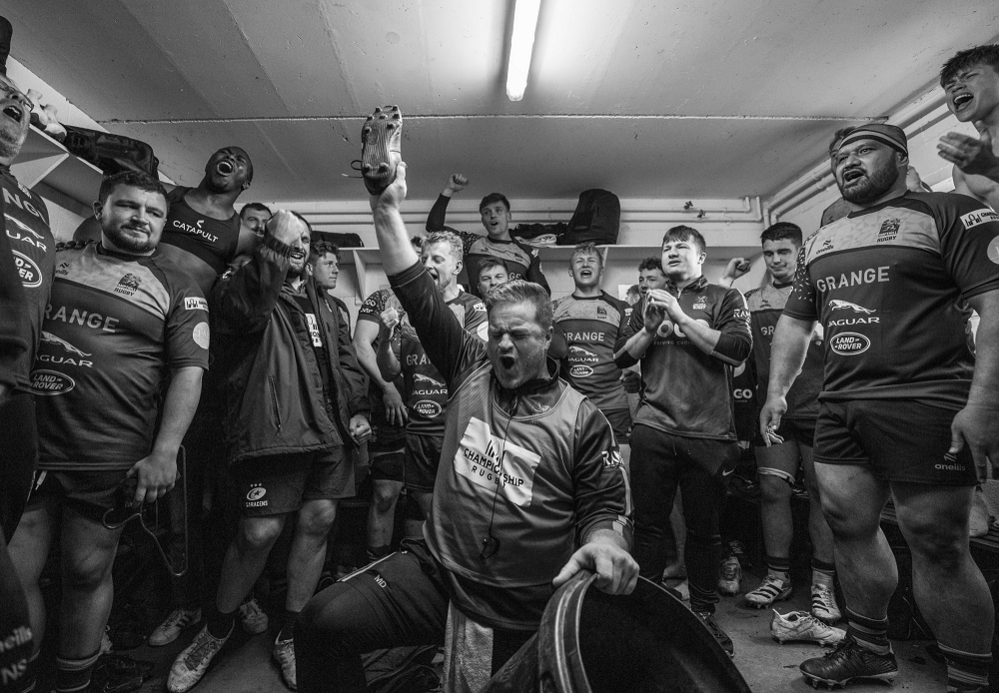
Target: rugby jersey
pixel 521 260
pixel 212 240
pixel 885 283
pixel 684 390
pixel 370 311
pixel 424 389
pixel 26 221
pixel 765 307
pixel 113 326
pixel 591 327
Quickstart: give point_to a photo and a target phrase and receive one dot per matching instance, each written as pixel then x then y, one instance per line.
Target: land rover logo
pixel 849 344
pixel 27 270
pixel 427 408
pixel 580 371
pixel 48 383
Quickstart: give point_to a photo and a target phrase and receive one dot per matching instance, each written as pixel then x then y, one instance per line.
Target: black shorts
pixel 423 456
pixel 91 494
pixel 386 438
pixel 798 430
pixel 620 421
pixel 20 455
pixel 900 440
pixel 278 484
pixel 388 466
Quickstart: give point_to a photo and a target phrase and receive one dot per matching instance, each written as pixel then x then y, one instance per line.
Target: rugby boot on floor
pixel 801 626
pixel 847 662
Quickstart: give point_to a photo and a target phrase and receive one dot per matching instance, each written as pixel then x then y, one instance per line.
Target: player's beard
pixel 11 140
pixel 871 187
pixel 128 243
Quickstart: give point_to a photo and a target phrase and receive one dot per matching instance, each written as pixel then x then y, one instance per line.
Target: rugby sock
pixel 73 675
pixel 823 573
pixel 376 552
pixel 869 633
pixel 779 567
pixel 219 624
pixel 966 672
pixel 288 625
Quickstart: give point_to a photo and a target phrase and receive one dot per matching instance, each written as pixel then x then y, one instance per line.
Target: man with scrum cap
pixel 905 410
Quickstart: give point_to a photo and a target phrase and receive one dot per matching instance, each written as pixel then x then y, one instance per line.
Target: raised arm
pixel 447 344
pixel 438 213
pixel 244 301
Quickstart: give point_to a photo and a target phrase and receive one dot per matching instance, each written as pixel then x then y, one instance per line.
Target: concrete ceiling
pixel 700 98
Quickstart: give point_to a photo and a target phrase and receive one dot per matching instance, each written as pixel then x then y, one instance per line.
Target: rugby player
pixel 688 337
pixel 32 250
pixel 521 260
pixel 592 321
pixel 424 389
pixel 203 233
pixel 489 550
pixel 905 410
pixel 202 236
pixel 118 318
pixel 295 402
pixel 777 463
pixel 255 216
pixel 650 275
pixel 971 82
pixel 492 272
pixel 27 261
pixel 386 449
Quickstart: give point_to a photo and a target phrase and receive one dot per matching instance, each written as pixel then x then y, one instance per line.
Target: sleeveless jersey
pixel 886 283
pixel 212 240
pixel 424 389
pixel 113 327
pixel 765 308
pixel 27 223
pixel 591 327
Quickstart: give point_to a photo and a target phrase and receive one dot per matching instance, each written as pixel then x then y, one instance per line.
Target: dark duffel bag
pixel 111 153
pixel 597 219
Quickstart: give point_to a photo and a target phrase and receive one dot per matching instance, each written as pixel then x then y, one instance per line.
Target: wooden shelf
pixel 44 160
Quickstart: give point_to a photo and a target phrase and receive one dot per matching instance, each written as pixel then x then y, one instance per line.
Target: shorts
pixel 91 494
pixel 278 484
pixel 801 431
pixel 20 455
pixel 620 421
pixel 423 456
pixel 386 438
pixel 388 466
pixel 900 440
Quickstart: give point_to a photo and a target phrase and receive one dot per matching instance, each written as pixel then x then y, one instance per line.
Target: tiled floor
pixel 244 665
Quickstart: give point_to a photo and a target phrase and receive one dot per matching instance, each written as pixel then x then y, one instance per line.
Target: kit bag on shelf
pixel 111 153
pixel 596 220
pixel 340 240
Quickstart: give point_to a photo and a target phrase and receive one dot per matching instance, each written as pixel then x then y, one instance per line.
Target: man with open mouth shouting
pixel 971 82
pixel 32 254
pixel 530 490
pixel 905 409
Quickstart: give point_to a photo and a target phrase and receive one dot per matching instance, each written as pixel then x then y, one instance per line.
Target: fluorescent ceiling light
pixel 525 23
